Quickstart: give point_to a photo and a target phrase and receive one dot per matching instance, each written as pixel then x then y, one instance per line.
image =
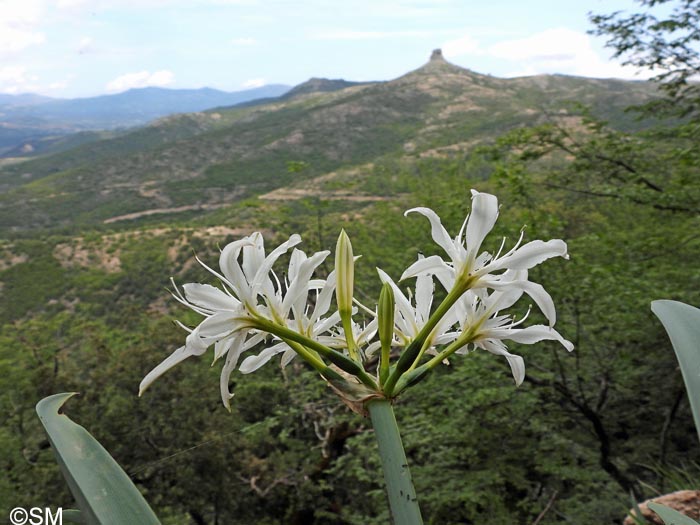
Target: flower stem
pixel 399 486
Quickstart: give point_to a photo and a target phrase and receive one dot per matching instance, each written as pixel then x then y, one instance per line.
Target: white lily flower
pixel 486 329
pixel 410 319
pixel 310 324
pixel 470 269
pixel 251 292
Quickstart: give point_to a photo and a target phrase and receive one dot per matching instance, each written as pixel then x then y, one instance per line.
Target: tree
pixel 667 43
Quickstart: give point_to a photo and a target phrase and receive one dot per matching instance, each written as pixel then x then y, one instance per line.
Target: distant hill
pixel 199 161
pixel 320 85
pixel 30 124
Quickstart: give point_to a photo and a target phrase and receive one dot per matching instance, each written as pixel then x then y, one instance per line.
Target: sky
pixel 80 48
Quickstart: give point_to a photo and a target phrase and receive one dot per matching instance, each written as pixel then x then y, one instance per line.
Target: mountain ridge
pixel 222 156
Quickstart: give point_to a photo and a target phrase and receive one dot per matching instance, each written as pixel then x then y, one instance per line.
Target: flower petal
pixel 299 286
pixel 538 332
pixel 253 362
pixel 262 278
pixel 531 254
pixel 229 365
pixel 178 356
pixel 437 231
pixel 210 297
pixel 517 364
pixel 430 265
pixel 481 221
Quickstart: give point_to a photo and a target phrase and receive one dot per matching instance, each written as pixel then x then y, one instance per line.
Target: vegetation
pixel 84 306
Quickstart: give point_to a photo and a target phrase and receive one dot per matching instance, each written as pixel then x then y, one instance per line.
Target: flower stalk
pixel 399 485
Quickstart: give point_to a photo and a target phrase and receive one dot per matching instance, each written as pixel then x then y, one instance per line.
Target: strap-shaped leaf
pixel 682 322
pixel 670 516
pixel 102 490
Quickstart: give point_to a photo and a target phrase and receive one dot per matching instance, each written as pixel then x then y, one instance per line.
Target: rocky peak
pixel 436 56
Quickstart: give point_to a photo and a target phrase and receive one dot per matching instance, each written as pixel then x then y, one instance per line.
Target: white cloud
pixel 19 21
pixel 16 79
pixel 254 83
pixel 140 80
pixel 559 50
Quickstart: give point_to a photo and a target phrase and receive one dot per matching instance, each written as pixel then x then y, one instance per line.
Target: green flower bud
pixel 345 274
pixel 385 326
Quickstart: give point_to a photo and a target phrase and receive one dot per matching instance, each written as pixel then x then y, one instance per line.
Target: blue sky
pixel 72 48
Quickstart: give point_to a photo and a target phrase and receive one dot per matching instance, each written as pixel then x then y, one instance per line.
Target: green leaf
pixel 670 516
pixel 102 490
pixel 682 322
pixel 72 516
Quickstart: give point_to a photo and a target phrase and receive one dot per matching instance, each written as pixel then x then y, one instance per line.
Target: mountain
pixel 320 85
pixel 23 99
pixel 31 124
pixel 197 162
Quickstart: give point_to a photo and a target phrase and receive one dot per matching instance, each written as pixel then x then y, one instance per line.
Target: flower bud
pixel 385 326
pixel 345 274
pixel 385 315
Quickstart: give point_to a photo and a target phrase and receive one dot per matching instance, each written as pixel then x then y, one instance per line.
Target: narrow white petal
pixel 430 265
pixel 228 262
pixel 221 347
pixel 295 260
pixel 253 362
pixel 438 231
pixel 196 344
pixel 253 255
pixel 424 298
pixel 173 359
pixel 262 271
pixel 481 220
pixel 229 365
pixel 323 301
pixel 210 297
pixel 323 325
pixel 517 364
pixel 539 332
pixel 403 305
pixel 219 324
pixel 287 357
pixel 299 286
pixel 531 254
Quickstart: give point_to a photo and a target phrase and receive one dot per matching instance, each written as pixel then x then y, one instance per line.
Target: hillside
pixel 31 124
pixel 199 161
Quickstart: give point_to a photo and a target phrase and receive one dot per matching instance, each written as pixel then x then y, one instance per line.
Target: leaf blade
pixel 682 323
pixel 103 491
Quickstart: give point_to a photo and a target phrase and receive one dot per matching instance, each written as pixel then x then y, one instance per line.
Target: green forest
pixel 612 169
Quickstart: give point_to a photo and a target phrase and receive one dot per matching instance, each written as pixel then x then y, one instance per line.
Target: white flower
pixel 410 319
pixel 469 269
pixel 484 327
pixel 312 325
pixel 251 292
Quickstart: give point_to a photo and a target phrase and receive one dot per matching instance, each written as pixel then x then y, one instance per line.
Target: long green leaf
pixel 102 490
pixel 682 322
pixel 670 516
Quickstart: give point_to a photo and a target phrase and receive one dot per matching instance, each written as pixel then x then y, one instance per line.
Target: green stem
pixel 399 487
pixel 338 359
pixel 413 353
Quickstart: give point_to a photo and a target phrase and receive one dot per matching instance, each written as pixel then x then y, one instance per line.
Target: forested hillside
pixel 91 237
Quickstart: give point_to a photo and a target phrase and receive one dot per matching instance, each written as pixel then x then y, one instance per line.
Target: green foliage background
pixel 85 308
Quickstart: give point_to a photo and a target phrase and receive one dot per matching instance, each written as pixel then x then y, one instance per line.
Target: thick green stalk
pixel 399 486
